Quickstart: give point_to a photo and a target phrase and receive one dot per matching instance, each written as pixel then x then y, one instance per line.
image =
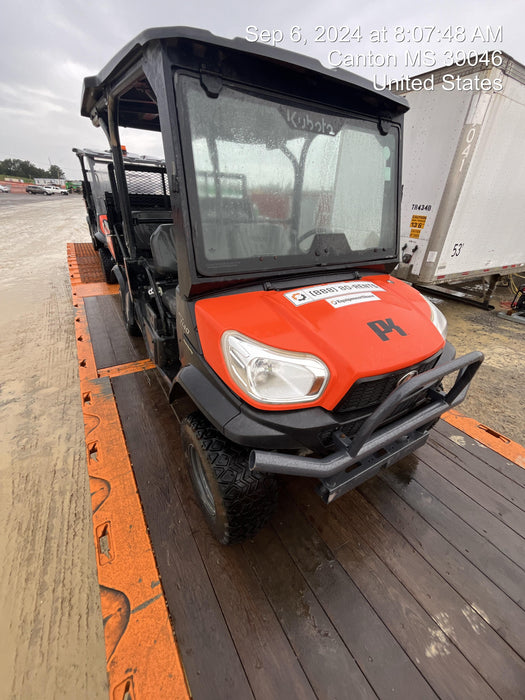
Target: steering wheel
pixel 309 234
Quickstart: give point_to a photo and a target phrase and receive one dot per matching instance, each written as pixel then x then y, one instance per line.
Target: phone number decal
pixel 310 294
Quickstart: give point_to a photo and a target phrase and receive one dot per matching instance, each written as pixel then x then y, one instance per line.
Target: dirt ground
pixel 52 644
pixel 497 395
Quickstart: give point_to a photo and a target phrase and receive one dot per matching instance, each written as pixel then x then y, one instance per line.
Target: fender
pixel 121 279
pixel 125 296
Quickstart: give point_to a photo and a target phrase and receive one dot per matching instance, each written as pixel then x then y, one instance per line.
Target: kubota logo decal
pixel 383 328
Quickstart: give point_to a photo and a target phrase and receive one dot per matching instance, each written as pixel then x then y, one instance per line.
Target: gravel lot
pixel 52 643
pixel 497 396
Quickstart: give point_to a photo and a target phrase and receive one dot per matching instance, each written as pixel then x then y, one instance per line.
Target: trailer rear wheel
pixel 236 502
pixel 107 263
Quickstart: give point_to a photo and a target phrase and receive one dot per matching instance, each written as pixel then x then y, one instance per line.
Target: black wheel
pixel 107 263
pixel 236 502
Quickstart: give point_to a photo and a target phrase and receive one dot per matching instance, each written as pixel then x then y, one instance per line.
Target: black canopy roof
pixel 249 62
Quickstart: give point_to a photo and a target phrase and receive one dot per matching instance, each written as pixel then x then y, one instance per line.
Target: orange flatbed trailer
pixel 410 586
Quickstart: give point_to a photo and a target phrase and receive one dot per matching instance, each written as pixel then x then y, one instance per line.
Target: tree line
pixel 15 167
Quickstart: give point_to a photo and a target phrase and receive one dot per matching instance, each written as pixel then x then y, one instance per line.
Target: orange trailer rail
pixel 488 437
pixel 141 651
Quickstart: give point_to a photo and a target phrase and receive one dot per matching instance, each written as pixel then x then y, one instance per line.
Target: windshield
pixel 280 187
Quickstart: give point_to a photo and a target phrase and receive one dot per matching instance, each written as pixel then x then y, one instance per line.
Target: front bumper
pixel 382 440
pixel 347 455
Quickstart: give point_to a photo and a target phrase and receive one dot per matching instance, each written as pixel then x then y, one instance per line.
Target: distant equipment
pixel 517 307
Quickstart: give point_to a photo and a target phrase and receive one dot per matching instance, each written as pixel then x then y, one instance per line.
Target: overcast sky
pixel 49 46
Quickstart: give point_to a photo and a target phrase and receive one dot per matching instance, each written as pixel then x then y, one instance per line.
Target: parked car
pixel 45 189
pixel 35 189
pixel 51 189
pixel 4 188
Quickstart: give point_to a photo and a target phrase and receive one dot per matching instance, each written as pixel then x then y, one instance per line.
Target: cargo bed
pixel 411 586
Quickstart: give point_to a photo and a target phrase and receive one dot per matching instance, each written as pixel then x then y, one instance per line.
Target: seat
pixel 259 238
pixel 162 243
pixel 145 223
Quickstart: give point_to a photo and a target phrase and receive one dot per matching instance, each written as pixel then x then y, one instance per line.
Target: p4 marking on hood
pixel 383 328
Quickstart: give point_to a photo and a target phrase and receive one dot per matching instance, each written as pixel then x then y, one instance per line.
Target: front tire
pixel 235 501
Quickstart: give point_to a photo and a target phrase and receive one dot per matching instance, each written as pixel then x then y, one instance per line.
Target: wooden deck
pixel 413 586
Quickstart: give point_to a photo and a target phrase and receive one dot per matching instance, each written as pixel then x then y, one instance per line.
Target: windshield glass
pixel 98 176
pixel 280 186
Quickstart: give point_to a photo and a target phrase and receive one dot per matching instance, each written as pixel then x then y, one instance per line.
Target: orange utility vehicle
pixel 145 176
pixel 263 291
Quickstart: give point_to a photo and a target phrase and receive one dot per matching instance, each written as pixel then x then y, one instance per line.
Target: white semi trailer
pixel 462 214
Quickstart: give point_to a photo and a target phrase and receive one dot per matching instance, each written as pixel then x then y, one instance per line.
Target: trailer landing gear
pixel 517 307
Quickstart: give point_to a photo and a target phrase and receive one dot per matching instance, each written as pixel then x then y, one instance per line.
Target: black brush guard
pixel 378 443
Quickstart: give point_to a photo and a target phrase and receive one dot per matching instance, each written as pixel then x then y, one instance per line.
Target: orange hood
pixel 358 329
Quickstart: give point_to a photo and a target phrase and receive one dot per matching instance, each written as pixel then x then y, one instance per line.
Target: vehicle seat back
pixel 162 244
pixel 259 238
pixel 145 223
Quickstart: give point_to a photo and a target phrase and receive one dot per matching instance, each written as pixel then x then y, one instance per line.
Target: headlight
pixel 437 318
pixel 270 375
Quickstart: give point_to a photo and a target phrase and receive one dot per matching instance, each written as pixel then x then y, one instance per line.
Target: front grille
pixel 369 392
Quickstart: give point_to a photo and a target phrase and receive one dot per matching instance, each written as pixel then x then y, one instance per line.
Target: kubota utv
pixel 145 176
pixel 262 288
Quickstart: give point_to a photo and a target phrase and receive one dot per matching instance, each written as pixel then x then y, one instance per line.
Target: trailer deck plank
pixel 475 456
pixel 481 476
pixel 502 500
pixel 411 586
pixel 482 594
pixel 395 639
pixel 268 659
pixel 211 662
pixel 311 634
pixel 438 658
pixel 500 666
pixel 477 548
pixel 376 650
pixel 112 344
pixel 506 541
